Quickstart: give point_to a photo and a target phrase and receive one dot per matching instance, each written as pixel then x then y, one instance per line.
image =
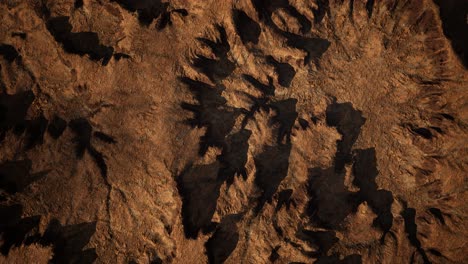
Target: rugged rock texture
pixel 251 131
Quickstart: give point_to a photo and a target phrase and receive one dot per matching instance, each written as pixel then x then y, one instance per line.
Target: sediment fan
pixel 248 131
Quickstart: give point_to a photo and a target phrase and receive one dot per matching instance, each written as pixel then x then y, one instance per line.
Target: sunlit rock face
pixel 251 131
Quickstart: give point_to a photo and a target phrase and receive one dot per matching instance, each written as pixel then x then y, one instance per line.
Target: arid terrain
pixel 233 131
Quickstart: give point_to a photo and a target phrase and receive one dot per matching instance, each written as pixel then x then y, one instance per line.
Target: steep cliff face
pixel 253 131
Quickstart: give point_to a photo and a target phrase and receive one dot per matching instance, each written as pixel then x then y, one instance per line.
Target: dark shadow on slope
pixel 335 259
pixel 56 127
pixel 35 131
pixel 221 67
pixel 411 229
pixel 224 240
pixel 78 4
pixel 322 9
pixel 218 125
pixel 303 123
pixel 286 116
pixel 81 43
pixel 147 10
pixel 322 240
pixel 220 46
pixel 234 156
pixel 150 10
pixel 104 137
pixel 284 71
pixel 215 69
pixel 156 260
pixel 8 52
pixel 370 7
pixel 348 122
pixel 437 213
pixel 266 89
pixel 15 176
pixel 266 8
pixel 365 173
pixel 15 230
pixel 258 103
pixel 21 35
pixel 422 132
pixel 119 55
pixel 13 110
pixel 69 241
pixel 199 188
pixel 166 18
pixel 274 256
pixel 207 95
pixel 210 112
pixel 247 29
pixel 271 169
pixel 313 46
pixel 454 22
pixel 284 199
pixel 330 201
pixel 83 132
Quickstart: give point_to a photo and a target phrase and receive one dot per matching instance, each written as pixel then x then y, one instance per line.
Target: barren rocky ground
pixel 237 131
